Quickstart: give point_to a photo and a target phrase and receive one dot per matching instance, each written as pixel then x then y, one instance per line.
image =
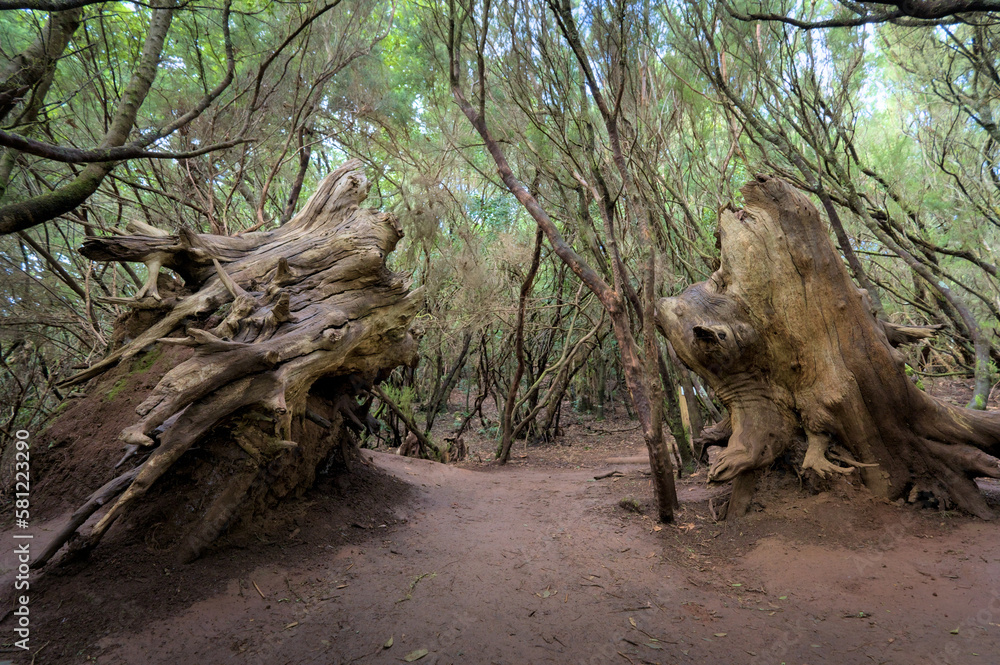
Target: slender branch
pixel 54 265
pixel 134 150
pixel 919 13
pixel 281 47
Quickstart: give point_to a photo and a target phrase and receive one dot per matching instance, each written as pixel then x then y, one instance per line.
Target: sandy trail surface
pixel 539 563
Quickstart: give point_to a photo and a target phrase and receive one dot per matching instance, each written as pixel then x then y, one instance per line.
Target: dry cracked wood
pixel 791 347
pixel 310 300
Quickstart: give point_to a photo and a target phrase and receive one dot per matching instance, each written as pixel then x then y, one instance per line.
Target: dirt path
pixel 541 565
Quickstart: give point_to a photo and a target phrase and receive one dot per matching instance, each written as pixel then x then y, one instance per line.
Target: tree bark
pixel 791 347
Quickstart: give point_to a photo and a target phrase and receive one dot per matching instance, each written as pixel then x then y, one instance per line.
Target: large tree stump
pixel 286 327
pixel 792 348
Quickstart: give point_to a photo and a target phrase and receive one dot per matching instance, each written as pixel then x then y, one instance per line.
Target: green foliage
pixel 403 397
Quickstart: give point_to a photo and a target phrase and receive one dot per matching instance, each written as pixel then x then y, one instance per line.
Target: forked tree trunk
pixel 286 326
pixel 791 347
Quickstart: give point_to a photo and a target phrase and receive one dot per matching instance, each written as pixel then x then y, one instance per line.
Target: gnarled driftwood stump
pixel 791 347
pixel 286 326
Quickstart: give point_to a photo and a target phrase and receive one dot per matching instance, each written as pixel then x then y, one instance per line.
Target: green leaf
pixel 415 655
pixel 388 644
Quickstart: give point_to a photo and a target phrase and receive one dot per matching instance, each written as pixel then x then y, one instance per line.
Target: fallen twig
pixel 601 430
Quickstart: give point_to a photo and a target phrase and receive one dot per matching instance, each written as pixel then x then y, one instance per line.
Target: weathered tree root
pixel 791 347
pixel 310 300
pixel 108 491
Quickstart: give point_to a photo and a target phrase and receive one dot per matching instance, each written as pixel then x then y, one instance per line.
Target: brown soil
pixel 77 454
pixel 536 562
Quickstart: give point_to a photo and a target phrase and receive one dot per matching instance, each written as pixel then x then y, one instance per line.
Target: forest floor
pixel 538 562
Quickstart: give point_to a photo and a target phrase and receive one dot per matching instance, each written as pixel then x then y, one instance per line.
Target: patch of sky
pixel 172 62
pixel 419 111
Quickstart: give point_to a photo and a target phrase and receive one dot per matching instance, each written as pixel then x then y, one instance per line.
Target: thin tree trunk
pixel 424 440
pixel 443 391
pixel 305 152
pixel 852 259
pixel 506 439
pixel 649 402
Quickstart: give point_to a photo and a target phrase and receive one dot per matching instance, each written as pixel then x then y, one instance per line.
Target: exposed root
pixel 732 462
pixel 815 458
pixel 900 334
pixel 739 500
pixel 107 492
pixel 841 455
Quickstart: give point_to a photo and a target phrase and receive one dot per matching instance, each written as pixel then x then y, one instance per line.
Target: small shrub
pixel 631 505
